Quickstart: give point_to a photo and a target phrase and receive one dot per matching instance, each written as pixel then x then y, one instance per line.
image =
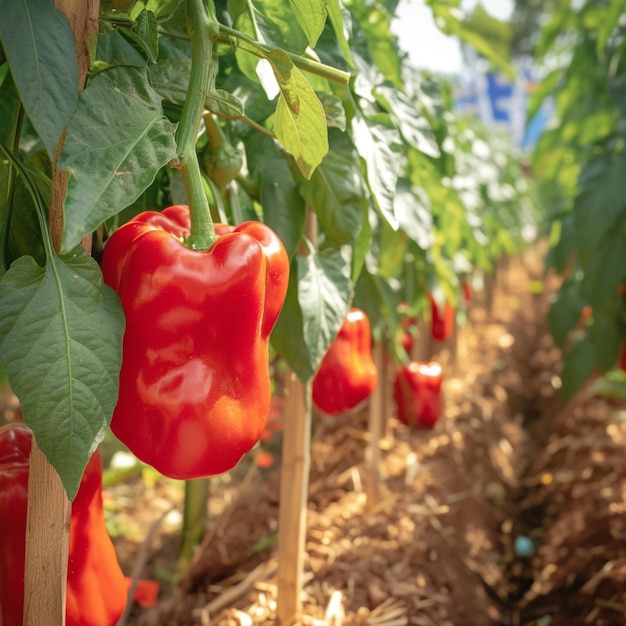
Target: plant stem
pixel 303 63
pixel 202 32
pixel 194 518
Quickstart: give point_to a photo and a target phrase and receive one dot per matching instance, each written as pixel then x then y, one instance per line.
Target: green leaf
pixel 375 297
pixel 224 104
pixel 380 148
pixel 61 343
pixel 319 296
pixel 334 111
pixel 600 218
pixel 311 16
pixel 300 122
pixel 412 209
pixel 283 206
pixel 114 50
pixel 565 311
pixel 39 44
pixel 335 193
pixel 579 362
pixel 335 15
pixel 144 34
pixel 324 294
pixel 409 119
pixel 116 143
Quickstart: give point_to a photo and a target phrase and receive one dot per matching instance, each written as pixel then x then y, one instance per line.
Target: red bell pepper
pixel 194 384
pixel 442 318
pixel 417 393
pixel 96 588
pixel 347 374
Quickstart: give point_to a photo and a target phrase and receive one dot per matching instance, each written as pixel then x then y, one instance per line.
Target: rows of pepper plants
pixel 579 164
pixel 191 188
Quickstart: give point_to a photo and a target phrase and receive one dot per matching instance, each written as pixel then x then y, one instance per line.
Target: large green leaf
pixel 116 143
pixel 61 344
pixel 39 44
pixel 300 121
pixel 320 292
pixel 336 194
pixel 380 148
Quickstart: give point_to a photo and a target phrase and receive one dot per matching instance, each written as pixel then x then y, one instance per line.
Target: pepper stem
pixel 202 32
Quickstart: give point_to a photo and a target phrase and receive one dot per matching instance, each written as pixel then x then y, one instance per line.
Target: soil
pixel 510 511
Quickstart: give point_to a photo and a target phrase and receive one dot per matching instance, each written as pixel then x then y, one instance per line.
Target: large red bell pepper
pixel 347 374
pixel 96 588
pixel 194 384
pixel 417 393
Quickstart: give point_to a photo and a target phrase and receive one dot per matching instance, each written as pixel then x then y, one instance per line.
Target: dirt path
pixel 462 507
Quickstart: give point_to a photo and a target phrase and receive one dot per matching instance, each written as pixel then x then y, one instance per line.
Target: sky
pixel 429 48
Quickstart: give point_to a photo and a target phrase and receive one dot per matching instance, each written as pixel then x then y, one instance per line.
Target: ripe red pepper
pixel 194 384
pixel 347 374
pixel 417 393
pixel 96 588
pixel 442 319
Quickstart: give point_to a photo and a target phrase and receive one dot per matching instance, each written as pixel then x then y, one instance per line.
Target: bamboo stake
pixel 294 487
pixel 293 501
pixel 49 511
pixel 375 428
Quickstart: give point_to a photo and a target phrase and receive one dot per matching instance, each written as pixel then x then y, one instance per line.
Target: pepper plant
pixel 579 163
pixel 307 105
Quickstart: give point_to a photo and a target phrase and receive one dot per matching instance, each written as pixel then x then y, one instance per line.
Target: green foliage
pixel 320 113
pixel 580 164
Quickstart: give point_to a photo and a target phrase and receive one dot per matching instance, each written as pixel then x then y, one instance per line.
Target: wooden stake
pixel 294 486
pixel 47 544
pixel 49 511
pixel 376 418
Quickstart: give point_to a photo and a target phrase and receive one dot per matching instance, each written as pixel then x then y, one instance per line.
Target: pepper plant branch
pixel 333 74
pixel 202 32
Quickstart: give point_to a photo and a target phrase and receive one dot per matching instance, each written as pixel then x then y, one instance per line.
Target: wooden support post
pixel 376 419
pixel 294 487
pixel 49 511
pixel 294 484
pixel 47 544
